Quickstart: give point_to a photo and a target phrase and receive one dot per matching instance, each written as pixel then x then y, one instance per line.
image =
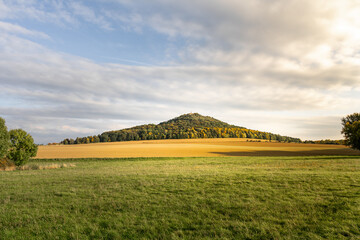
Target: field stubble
pixel 190 148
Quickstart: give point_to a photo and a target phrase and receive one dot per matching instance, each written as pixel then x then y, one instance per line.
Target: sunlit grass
pixel 184 198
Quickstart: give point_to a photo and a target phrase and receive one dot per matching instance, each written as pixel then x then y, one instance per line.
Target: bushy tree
pixel 351 130
pixel 4 138
pixel 22 147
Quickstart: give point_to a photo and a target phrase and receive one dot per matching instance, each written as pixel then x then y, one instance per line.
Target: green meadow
pixel 184 198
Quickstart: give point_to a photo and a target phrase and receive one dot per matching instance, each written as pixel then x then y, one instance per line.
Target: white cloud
pixel 242 60
pixel 308 33
pixel 59 86
pixel 4 10
pixel 16 29
pixel 42 11
pixel 89 15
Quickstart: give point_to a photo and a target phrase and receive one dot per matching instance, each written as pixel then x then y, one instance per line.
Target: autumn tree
pixel 351 130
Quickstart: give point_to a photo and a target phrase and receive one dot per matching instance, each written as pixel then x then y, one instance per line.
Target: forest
pixel 187 126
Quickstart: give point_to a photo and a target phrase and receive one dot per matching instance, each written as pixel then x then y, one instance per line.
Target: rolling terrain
pixel 210 147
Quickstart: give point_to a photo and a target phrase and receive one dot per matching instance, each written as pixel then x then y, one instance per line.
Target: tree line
pixel 326 141
pixel 156 132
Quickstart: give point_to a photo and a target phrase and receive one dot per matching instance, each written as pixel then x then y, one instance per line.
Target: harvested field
pixel 190 148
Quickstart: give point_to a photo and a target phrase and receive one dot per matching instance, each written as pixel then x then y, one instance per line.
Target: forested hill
pixel 195 120
pixel 192 125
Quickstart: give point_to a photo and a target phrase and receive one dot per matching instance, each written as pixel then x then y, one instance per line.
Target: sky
pixel 76 68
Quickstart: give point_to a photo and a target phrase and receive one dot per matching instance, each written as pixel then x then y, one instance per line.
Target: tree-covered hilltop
pixel 195 120
pixel 192 125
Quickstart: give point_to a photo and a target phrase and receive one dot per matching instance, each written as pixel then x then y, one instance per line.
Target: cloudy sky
pixel 78 68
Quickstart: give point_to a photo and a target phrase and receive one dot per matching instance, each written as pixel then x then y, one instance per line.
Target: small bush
pixel 7 165
pixel 22 147
pixel 42 167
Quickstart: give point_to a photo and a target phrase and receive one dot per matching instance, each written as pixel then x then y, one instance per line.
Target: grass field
pixel 184 198
pixel 190 148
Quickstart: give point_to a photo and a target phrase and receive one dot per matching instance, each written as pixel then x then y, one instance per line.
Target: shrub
pixel 22 147
pixel 4 139
pixel 6 165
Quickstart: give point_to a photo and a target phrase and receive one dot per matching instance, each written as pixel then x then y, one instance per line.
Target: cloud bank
pixel 287 67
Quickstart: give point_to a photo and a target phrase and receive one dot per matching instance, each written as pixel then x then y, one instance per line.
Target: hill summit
pixel 196 120
pixel 191 125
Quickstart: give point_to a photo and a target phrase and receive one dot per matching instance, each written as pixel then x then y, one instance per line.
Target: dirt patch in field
pixel 190 148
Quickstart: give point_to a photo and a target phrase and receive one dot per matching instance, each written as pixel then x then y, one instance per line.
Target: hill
pixel 192 125
pixel 196 120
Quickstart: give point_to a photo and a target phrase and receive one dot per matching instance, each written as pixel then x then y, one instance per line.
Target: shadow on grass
pixel 325 152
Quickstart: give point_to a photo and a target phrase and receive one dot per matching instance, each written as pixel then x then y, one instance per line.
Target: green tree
pixel 96 139
pixel 351 130
pixel 22 147
pixel 4 138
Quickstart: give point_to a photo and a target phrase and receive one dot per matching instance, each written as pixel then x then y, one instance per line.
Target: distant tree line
pixel 326 141
pixel 154 132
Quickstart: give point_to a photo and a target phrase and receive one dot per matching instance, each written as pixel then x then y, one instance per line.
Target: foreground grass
pixel 184 198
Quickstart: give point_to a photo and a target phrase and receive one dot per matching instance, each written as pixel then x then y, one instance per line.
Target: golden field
pixel 190 148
